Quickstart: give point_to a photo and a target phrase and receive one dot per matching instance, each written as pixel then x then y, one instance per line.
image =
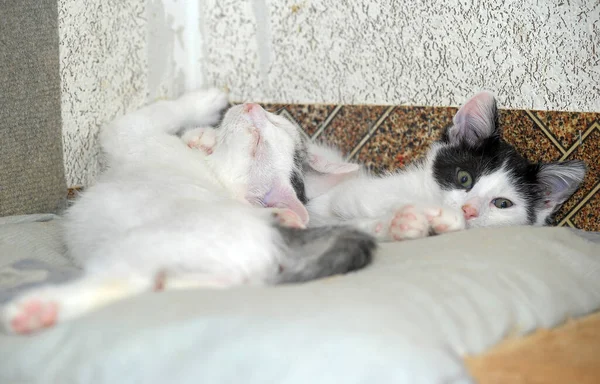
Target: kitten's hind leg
pixel 203 107
pixel 45 306
pixel 169 281
pixel 130 133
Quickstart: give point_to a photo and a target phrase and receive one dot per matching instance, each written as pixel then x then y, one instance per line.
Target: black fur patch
pixel 297 178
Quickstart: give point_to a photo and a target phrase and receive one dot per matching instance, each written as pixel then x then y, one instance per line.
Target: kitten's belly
pixel 116 205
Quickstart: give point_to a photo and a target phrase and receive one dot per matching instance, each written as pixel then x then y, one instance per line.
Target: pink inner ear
pixel 282 196
pixel 323 165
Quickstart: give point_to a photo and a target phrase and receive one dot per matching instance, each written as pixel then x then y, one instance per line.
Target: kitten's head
pixel 264 152
pixel 484 176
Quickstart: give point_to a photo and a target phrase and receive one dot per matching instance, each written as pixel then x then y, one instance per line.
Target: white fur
pixel 164 214
pixel 376 204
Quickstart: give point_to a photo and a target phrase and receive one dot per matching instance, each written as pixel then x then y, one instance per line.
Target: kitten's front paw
pixel 205 106
pixel 203 139
pixel 287 218
pixel 442 220
pixel 408 223
pixel 29 314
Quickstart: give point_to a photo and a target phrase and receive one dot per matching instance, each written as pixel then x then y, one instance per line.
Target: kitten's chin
pixel 472 224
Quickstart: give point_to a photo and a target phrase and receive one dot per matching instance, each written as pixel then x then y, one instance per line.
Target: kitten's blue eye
pixel 464 179
pixel 502 203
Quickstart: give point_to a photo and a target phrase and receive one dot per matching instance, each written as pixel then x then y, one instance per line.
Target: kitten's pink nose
pixel 253 109
pixel 469 211
pixel 256 113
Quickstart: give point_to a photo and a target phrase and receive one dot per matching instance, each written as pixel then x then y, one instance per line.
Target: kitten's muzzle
pixel 255 114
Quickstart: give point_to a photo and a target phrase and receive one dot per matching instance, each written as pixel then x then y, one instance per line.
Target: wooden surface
pixel 567 354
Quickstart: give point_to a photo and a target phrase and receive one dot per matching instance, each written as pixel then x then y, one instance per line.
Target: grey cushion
pixel 32 252
pixel 31 158
pixel 408 318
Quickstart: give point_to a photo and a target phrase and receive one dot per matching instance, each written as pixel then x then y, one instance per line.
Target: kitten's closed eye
pixel 464 179
pixel 502 203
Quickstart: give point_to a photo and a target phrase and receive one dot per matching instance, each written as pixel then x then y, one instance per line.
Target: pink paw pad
pixel 408 223
pixel 197 145
pixel 35 314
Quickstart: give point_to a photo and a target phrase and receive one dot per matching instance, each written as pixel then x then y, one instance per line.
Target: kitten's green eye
pixel 502 203
pixel 464 178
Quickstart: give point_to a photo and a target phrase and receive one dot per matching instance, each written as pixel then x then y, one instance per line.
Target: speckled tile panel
pixel 350 125
pixel 588 216
pixel 588 151
pixel 536 54
pixel 566 126
pixel 521 131
pixel 310 117
pixel 404 136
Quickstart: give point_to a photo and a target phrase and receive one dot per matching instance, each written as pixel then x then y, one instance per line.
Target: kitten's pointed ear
pixel 560 180
pixel 330 171
pixel 475 121
pixel 322 164
pixel 284 196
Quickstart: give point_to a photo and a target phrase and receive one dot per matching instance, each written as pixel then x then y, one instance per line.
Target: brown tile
pixel 565 126
pixel 588 217
pixel 350 125
pixel 519 130
pixel 308 116
pixel 589 152
pixel 404 137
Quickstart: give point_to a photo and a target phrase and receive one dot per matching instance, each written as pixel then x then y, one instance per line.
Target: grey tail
pixel 324 251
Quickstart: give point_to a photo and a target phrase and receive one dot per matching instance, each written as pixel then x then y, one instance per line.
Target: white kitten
pixel 471 178
pixel 166 216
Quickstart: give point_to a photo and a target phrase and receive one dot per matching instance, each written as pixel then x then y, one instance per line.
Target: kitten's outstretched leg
pixel 130 134
pixel 43 307
pixel 179 281
pixel 411 222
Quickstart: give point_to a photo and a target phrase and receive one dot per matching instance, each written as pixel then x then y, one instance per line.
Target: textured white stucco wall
pixel 114 57
pixel 117 55
pixel 534 54
pixel 103 65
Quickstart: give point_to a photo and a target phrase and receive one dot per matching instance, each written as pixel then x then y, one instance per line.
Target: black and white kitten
pixel 470 178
